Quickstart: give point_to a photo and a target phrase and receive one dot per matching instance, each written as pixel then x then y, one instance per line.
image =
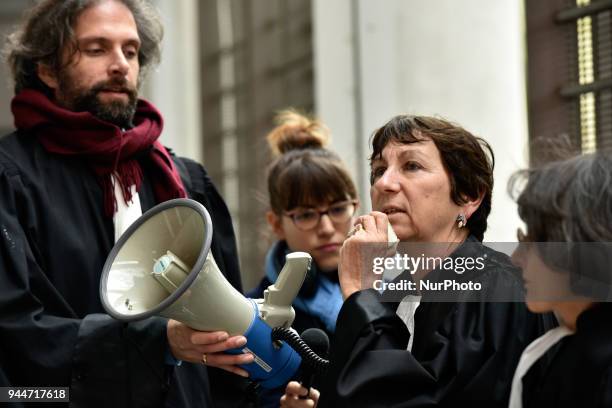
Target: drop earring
pixel 460 221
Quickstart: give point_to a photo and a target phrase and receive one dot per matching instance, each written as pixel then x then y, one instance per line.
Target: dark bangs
pixel 308 178
pixel 400 129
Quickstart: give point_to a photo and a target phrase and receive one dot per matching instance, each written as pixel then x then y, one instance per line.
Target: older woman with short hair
pixel 432 181
pixel 565 254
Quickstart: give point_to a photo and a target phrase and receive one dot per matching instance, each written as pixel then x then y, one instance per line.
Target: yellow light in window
pixel 586 75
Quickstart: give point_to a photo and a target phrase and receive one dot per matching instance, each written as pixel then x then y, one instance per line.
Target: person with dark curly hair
pixel 84 162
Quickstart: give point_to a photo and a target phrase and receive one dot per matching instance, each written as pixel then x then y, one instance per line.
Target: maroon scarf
pixel 104 146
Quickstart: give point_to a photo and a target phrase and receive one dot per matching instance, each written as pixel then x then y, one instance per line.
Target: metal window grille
pixel 569 45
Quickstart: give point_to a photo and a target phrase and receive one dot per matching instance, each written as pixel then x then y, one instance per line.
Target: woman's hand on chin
pixel 366 240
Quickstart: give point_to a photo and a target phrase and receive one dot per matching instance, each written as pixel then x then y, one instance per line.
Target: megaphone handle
pixel 289 281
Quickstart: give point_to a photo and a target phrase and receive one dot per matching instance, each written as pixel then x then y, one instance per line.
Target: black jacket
pixel 464 352
pixel 54 241
pixel 577 372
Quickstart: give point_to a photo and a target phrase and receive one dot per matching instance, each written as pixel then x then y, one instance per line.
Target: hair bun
pixel 295 131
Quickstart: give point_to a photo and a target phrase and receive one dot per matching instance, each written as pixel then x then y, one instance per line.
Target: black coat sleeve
pixel 605 391
pixel 369 360
pixel 44 342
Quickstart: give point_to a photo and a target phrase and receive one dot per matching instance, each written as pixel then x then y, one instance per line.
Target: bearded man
pixel 84 162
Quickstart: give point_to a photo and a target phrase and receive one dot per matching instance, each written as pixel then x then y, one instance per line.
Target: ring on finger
pixel 307 396
pixel 354 230
pixel 204 359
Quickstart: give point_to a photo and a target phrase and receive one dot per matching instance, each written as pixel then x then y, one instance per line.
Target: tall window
pixel 256 60
pixel 569 46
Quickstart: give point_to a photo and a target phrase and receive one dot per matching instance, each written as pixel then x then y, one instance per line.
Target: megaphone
pixel 162 265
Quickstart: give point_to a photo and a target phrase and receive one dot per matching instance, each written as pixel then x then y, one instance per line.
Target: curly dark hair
pixel 47 30
pixel 468 159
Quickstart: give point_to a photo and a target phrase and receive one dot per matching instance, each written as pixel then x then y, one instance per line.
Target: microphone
pixel 162 265
pixel 309 359
pixel 318 342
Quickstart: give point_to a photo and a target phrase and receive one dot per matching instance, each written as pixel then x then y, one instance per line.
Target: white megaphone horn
pixel 162 265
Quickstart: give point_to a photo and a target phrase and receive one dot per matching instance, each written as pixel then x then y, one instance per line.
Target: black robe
pixel 577 372
pixel 463 355
pixel 53 329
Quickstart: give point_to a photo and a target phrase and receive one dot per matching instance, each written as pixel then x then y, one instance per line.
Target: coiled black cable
pixel 316 363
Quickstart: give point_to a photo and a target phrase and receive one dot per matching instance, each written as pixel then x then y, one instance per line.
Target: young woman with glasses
pixel 312 201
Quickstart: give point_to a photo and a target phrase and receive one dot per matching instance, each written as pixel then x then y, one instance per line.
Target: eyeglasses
pixel 308 218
